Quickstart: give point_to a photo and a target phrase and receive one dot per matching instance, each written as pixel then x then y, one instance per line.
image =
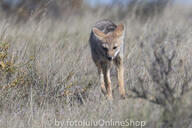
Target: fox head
pixel 111 42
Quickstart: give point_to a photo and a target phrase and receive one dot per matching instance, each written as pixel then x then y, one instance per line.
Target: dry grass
pixel 59 79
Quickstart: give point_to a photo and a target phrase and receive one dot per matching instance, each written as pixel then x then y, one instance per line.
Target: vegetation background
pixel 47 74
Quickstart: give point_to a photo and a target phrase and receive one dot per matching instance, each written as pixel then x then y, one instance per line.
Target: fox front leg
pixel 101 78
pixel 107 81
pixel 120 76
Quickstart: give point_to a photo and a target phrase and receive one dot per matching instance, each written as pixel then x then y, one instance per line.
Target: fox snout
pixel 109 58
pixel 110 55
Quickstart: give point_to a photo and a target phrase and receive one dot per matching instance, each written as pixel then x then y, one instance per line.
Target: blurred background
pixel 25 9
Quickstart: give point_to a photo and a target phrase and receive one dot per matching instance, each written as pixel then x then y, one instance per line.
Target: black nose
pixel 109 58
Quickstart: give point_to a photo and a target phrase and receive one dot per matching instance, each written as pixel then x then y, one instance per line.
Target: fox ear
pixel 99 34
pixel 119 31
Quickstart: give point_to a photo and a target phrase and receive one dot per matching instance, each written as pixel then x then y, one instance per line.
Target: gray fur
pixel 105 26
pixel 102 62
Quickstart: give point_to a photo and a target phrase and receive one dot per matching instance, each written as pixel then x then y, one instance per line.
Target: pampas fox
pixel 107 42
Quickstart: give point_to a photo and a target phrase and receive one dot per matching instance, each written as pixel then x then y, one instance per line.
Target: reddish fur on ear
pixel 119 30
pixel 99 34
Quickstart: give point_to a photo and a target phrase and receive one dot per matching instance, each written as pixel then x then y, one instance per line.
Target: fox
pixel 106 43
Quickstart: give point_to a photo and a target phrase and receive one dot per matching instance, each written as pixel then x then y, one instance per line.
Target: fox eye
pixel 114 47
pixel 105 49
